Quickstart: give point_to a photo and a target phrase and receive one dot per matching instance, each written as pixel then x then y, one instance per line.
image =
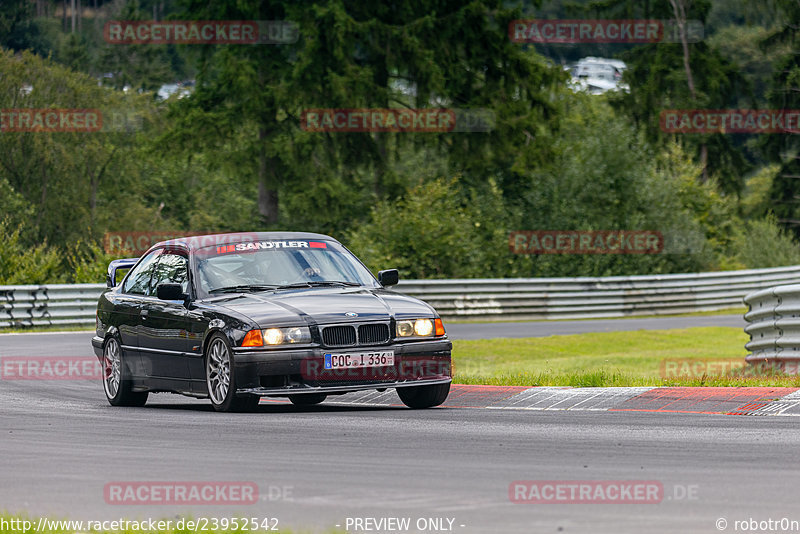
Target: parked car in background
pixel 598 75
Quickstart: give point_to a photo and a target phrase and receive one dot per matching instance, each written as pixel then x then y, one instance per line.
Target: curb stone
pixel 775 401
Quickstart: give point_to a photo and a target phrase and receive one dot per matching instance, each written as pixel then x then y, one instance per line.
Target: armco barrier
pixel 56 304
pixel 583 298
pixel 484 299
pixel 774 325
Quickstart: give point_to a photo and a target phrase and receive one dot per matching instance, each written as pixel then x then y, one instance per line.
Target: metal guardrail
pixel 589 297
pixel 774 325
pixel 55 304
pixel 484 299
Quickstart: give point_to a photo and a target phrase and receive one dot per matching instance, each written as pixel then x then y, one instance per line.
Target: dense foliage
pixel 232 155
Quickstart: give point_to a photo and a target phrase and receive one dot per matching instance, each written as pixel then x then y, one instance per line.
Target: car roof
pixel 196 242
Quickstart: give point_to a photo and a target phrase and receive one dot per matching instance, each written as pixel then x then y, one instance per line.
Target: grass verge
pixel 707 356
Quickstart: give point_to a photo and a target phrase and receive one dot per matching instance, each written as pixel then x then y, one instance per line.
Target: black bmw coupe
pixel 235 317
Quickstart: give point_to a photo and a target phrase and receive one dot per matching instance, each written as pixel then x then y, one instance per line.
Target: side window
pixel 171 269
pixel 138 281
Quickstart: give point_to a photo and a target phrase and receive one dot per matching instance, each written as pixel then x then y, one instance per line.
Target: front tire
pixel 117 382
pixel 221 379
pixel 309 399
pixel 424 396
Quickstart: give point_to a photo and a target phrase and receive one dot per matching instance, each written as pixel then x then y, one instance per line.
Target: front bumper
pixel 301 371
pixel 285 391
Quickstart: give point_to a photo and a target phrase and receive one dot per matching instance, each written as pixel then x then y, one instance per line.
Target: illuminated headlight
pixel 423 327
pixel 277 336
pixel 282 336
pixel 415 327
pixel 273 336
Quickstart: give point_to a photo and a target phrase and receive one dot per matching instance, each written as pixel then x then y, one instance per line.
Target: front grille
pixel 345 335
pixel 370 334
pixel 339 336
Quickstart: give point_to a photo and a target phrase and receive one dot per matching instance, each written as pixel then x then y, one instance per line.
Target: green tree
pixel 785 94
pixel 356 55
pixel 683 75
pixel 67 178
pixel 763 243
pixel 136 67
pixel 616 181
pixel 435 231
pixel 21 263
pixel 18 29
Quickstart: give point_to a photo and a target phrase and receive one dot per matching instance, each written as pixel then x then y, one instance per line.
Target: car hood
pixel 324 306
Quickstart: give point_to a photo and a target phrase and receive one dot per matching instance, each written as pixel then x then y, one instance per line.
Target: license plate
pixel 354 360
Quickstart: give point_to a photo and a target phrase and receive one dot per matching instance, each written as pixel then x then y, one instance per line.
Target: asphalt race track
pixel 315 467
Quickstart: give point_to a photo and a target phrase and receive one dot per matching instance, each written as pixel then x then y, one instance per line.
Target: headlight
pixel 419 328
pixel 273 336
pixel 277 336
pixel 423 327
pixel 297 335
pixel 405 328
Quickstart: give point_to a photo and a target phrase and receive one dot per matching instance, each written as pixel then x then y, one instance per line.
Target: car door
pixel 127 306
pixel 163 339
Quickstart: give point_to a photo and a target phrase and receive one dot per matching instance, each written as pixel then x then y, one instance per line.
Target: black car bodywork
pixel 168 329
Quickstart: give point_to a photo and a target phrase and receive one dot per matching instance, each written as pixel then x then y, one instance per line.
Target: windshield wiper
pixel 244 287
pixel 320 283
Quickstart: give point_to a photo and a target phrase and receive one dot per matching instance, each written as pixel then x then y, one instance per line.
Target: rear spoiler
pixel 114 266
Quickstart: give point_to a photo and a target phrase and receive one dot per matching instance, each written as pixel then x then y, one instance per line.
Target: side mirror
pixel 115 266
pixel 389 277
pixel 170 292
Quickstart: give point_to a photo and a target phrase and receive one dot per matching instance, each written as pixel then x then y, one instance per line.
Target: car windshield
pixel 278 264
